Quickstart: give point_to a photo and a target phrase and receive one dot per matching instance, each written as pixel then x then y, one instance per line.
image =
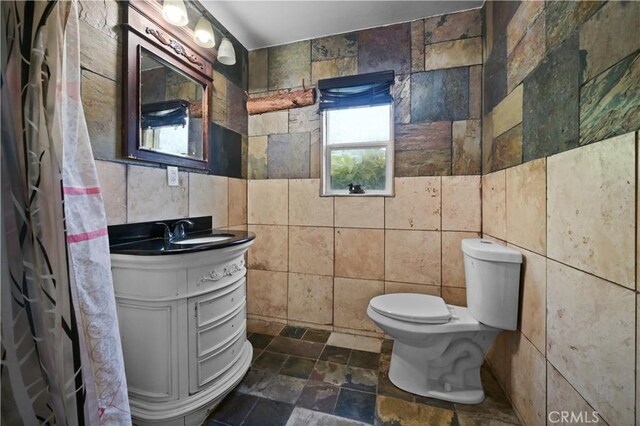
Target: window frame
pixel 326 190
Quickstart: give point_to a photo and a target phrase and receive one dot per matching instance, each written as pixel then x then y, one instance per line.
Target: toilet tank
pixel 492 276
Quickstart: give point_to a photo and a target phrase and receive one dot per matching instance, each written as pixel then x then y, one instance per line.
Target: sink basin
pixel 203 240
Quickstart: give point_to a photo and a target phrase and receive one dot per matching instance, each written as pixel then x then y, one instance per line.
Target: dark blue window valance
pixel 166 113
pixel 356 90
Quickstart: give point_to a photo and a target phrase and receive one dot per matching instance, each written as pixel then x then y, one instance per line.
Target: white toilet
pixel 439 348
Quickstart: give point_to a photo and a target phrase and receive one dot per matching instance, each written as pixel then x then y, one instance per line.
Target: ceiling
pixel 266 23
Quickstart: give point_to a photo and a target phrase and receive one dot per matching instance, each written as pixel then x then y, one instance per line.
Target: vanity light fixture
pixel 226 53
pixel 203 34
pixel 175 12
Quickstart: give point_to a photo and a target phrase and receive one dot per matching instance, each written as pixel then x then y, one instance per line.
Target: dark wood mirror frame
pixel 145 28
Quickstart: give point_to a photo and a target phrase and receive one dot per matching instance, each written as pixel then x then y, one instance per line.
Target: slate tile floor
pixel 296 379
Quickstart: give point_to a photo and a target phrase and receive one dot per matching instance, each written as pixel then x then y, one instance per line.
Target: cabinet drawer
pixel 216 335
pixel 148 284
pixel 212 307
pixel 219 362
pixel 204 278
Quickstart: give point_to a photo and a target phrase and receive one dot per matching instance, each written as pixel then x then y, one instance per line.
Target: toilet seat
pixel 461 321
pixel 416 308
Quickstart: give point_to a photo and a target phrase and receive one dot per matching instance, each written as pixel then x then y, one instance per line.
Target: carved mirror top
pixel 145 18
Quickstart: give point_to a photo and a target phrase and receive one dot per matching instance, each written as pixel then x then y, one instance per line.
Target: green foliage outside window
pixel 364 167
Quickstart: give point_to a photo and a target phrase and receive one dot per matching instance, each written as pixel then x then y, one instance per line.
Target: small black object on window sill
pixel 355 189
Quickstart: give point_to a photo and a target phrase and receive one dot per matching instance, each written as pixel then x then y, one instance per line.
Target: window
pixel 357 128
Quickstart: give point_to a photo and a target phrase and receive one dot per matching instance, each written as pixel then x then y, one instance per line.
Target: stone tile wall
pixel 573 217
pixel 319 260
pixel 557 75
pixel 136 191
pixel 438 66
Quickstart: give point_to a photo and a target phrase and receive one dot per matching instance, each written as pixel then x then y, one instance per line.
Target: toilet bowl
pixel 438 348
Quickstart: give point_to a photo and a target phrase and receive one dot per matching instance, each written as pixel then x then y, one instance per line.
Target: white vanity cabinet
pixel 182 322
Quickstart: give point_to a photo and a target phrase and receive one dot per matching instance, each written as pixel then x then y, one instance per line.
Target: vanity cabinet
pixel 182 321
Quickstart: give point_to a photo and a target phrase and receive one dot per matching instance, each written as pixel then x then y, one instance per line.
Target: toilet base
pixel 437 391
pixel 447 369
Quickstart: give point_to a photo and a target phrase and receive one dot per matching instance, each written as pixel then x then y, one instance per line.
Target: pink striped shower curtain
pixel 61 355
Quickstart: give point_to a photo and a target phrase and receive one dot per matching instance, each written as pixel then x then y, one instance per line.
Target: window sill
pixel 366 194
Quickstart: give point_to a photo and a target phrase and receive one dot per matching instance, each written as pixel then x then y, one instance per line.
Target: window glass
pixel 365 167
pixel 357 125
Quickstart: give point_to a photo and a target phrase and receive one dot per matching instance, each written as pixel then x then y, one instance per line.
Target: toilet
pixel 438 348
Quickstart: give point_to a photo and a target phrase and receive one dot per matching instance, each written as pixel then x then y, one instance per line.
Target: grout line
pixel 532 344
pixel 441 215
pixel 546 286
pixel 288 192
pixel 126 194
pixel 635 382
pixel 570 384
pixel 228 202
pixel 333 280
pixel 89 70
pixel 567 265
pixel 384 241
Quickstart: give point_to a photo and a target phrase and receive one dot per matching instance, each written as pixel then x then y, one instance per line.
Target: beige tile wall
pixel 573 217
pixel 316 262
pixel 139 194
pixel 340 252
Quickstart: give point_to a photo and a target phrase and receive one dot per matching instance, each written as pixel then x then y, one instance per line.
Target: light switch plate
pixel 172 176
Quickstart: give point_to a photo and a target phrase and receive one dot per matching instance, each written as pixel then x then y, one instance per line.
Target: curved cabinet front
pixel 183 328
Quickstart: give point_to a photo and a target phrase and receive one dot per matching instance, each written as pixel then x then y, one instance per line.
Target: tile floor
pixel 296 379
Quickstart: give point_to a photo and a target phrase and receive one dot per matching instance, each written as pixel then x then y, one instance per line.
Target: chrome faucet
pixel 168 235
pixel 177 232
pixel 178 228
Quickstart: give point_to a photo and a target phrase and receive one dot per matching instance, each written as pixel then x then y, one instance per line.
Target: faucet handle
pixel 178 227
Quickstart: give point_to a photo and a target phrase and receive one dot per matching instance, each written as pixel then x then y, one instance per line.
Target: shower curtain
pixel 61 355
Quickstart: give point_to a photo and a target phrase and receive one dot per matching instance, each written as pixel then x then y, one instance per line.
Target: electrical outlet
pixel 172 176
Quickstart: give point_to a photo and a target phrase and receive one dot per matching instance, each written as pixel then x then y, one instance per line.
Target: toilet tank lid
pixel 489 250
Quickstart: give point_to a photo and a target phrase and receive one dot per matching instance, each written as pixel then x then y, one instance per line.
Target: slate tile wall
pixel 438 66
pixel 577 63
pixel 222 196
pixel 101 61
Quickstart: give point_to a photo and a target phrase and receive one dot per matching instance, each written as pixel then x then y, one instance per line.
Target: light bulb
pixel 226 54
pixel 175 12
pixel 203 34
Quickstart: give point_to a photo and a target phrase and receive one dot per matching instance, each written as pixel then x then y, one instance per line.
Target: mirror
pixel 170 109
pixel 167 91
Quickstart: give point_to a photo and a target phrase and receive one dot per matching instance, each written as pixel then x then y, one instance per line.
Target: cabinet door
pixel 149 336
pixel 217 331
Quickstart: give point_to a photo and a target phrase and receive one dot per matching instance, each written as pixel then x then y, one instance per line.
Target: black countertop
pixel 146 238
